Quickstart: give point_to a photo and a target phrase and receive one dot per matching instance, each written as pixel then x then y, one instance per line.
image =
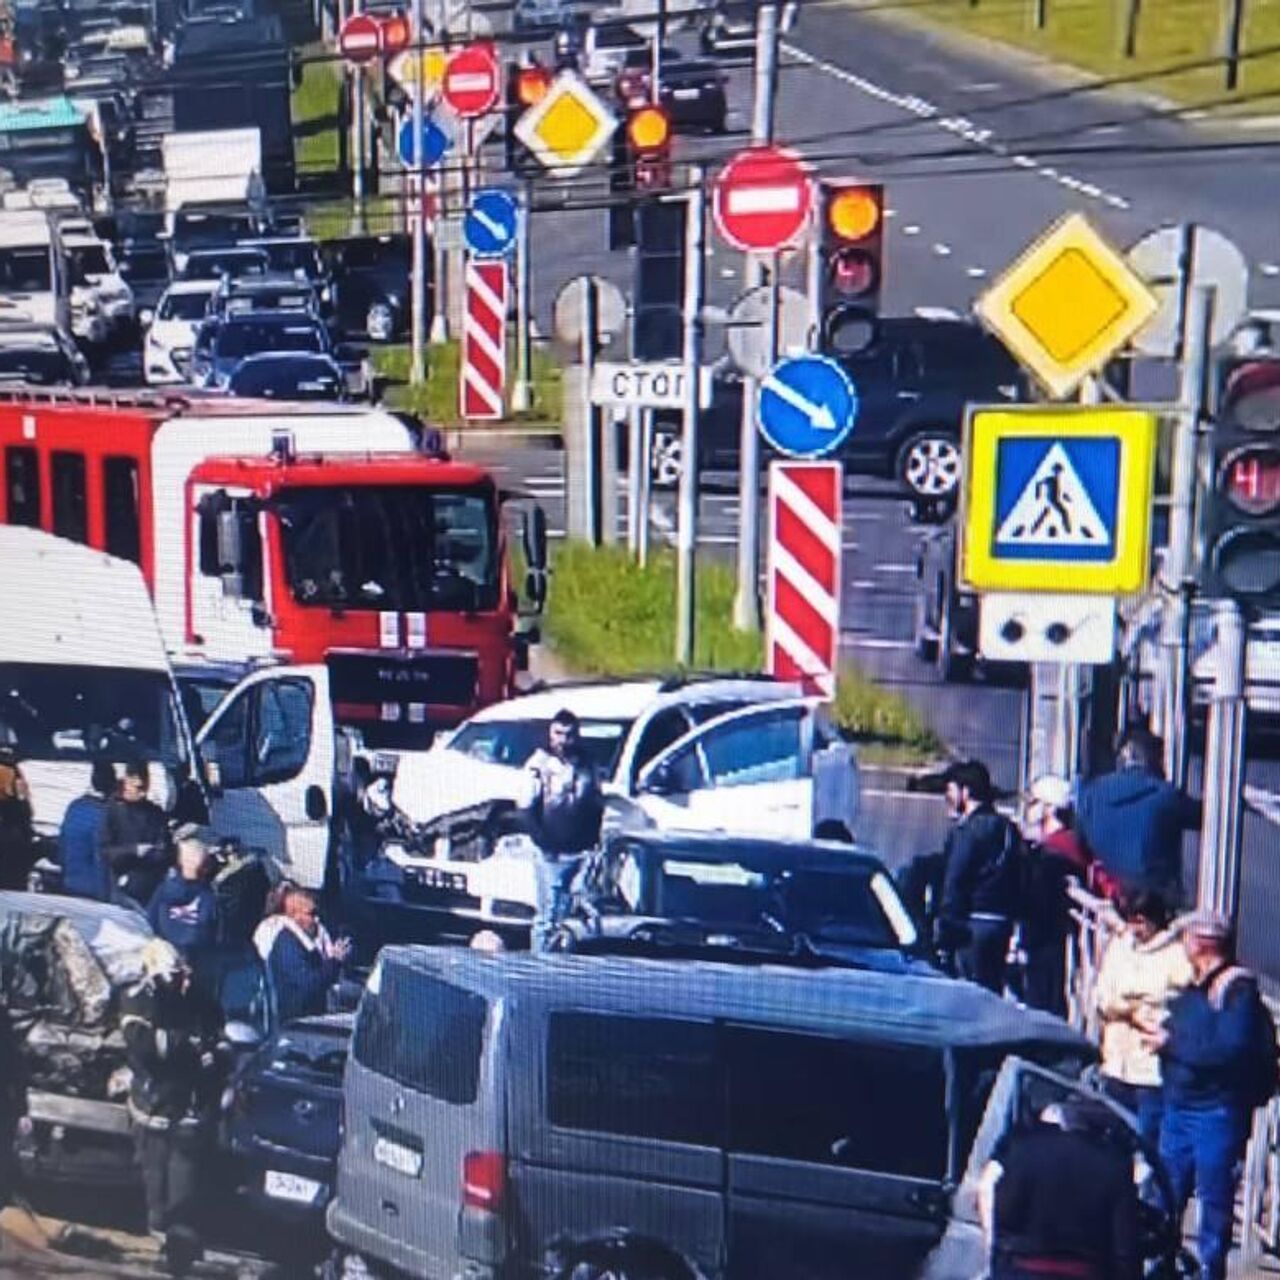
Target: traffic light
pixel 1242 519
pixel 649 147
pixel 527 85
pixel 658 297
pixel 851 244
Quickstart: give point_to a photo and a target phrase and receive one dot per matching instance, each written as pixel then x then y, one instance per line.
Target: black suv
pixel 913 386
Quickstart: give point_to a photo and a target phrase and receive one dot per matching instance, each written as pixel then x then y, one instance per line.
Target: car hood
pixel 432 783
pixel 171 333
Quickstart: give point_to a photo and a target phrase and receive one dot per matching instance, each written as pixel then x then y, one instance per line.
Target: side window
pixel 662 730
pixel 642 1077
pixel 22 486
pixel 685 770
pixel 754 750
pixel 281 731
pixel 121 501
pixel 226 744
pixel 874 1107
pixel 70 502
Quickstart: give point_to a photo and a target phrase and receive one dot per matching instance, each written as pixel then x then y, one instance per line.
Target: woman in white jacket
pixel 1143 968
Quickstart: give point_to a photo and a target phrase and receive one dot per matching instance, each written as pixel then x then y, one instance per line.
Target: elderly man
pixel 1217 1052
pixel 184 909
pixel 302 968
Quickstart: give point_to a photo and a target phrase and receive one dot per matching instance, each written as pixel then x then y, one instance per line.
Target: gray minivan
pixel 582 1118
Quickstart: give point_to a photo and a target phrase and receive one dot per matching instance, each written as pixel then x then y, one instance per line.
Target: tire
pixel 666 463
pixel 928 464
pixel 380 322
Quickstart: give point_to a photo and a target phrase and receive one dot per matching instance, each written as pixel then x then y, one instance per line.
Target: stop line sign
pixel 762 198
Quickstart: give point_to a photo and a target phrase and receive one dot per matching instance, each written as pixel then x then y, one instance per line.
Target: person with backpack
pixel 980 883
pixel 1218 1058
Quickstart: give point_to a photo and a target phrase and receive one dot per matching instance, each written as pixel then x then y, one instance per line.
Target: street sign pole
pixel 1219 877
pixel 358 141
pixel 590 451
pixel 635 463
pixel 440 257
pixel 417 185
pixel 687 511
pixel 1179 569
pixel 520 391
pixel 746 599
pixel 646 487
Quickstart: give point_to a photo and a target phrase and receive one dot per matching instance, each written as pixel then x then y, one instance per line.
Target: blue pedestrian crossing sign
pixel 436 141
pixel 807 406
pixel 1058 499
pixel 489 228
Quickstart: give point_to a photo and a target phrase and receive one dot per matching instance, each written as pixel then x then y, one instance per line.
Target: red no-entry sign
pixel 360 39
pixel 762 198
pixel 472 81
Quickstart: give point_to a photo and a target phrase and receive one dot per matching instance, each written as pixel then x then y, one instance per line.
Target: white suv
pixel 171 331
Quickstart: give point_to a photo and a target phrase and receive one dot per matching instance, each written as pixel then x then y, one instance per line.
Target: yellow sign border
pixel 996 305
pixel 986 426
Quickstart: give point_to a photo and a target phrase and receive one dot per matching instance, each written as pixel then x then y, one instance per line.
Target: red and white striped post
pixel 484 340
pixel 802 633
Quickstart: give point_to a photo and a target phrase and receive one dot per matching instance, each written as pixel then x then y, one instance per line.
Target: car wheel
pixel 666 461
pixel 929 464
pixel 380 323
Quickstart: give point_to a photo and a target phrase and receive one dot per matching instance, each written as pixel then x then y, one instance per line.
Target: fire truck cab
pixel 273 533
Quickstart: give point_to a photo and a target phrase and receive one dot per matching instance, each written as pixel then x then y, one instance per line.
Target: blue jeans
pixel 1201 1148
pixel 555 875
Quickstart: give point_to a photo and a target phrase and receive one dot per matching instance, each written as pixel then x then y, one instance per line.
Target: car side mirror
pixel 316 804
pixel 535 588
pixel 230 553
pixel 534 537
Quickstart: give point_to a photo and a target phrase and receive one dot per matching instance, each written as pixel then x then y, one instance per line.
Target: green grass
pixel 315 115
pixel 436 399
pixel 606 616
pixel 1171 33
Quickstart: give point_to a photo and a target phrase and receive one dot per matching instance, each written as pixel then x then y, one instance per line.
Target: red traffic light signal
pixel 397 34
pixel 531 85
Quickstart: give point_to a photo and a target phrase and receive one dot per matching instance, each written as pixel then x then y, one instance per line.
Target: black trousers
pixel 1046 977
pixel 170 1161
pixel 981 958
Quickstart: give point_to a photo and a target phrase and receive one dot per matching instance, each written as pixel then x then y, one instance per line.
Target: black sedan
pixel 282 1115
pixel 287 375
pixel 370 285
pixel 692 89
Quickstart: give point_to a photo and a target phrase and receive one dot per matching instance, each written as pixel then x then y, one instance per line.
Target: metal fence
pixel 1096 921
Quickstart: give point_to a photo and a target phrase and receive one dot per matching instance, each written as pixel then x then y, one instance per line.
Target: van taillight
pixel 484 1180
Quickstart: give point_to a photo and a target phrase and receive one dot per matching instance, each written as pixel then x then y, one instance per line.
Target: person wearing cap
pixel 1134 820
pixel 178 1067
pixel 184 909
pixel 980 881
pixel 1217 1052
pixel 1143 967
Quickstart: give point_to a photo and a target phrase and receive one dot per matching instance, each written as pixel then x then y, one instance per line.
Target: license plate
pixel 394 1156
pixel 288 1186
pixel 434 878
pixel 685 94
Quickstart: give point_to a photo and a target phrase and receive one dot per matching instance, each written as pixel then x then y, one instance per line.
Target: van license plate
pixel 401 1159
pixel 288 1186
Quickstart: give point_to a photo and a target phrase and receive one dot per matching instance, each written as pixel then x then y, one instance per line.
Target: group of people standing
pixel 1187 1044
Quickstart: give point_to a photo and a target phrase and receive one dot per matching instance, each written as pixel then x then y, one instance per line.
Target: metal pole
pixel 687 509
pixel 646 487
pixel 521 399
pixel 1219 879
pixel 590 451
pixel 655 66
pixel 418 336
pixel 1179 567
pixel 440 258
pixel 636 463
pixel 358 141
pixel 746 600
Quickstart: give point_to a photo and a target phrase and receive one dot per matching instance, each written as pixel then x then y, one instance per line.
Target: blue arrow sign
pixel 490 225
pixel 435 142
pixel 807 406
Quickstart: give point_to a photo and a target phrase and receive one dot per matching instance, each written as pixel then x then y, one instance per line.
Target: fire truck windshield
pixel 390 547
pixel 72 712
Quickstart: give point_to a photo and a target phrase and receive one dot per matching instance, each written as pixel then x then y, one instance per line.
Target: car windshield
pixel 88 260
pixel 845 903
pixel 44 367
pixel 226 262
pixel 24 270
pixel 147 262
pixel 364 255
pixel 287 380
pixel 184 306
pixel 193 230
pixel 248 337
pixel 268 300
pixel 293 256
pixel 69 712
pixel 390 547
pixel 512 742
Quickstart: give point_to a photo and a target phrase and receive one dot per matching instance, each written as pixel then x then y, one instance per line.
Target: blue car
pixel 222 343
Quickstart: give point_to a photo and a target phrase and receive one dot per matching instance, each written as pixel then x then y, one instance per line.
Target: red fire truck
pixel 289 533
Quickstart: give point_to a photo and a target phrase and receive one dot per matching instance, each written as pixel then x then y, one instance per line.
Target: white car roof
pixel 191 286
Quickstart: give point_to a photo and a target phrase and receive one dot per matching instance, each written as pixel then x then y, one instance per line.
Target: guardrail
pixel 1096 921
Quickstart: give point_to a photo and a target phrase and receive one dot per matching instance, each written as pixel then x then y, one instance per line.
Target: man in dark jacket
pixel 1218 1062
pixel 980 885
pixel 301 968
pixel 178 1065
pixel 84 873
pixel 1092 1233
pixel 1133 821
pixel 135 837
pixel 184 909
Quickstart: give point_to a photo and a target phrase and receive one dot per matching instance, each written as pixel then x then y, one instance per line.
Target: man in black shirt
pixel 135 838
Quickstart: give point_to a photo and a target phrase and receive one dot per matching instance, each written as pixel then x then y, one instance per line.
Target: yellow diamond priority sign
pixel 1067 305
pixel 566 130
pixel 403 69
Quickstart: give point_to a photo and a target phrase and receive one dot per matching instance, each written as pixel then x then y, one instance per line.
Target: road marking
pixel 874 642
pixel 862 584
pixel 911 229
pixel 942 250
pixel 1269 269
pixel 893 568
pixel 1266 804
pixel 975 273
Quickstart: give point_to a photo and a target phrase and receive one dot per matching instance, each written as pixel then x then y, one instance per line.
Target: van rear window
pixel 424 1034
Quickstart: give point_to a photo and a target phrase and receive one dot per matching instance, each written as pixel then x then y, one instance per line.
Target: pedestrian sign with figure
pixel 1058 499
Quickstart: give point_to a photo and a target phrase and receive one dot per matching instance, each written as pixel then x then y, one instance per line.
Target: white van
pixel 34 283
